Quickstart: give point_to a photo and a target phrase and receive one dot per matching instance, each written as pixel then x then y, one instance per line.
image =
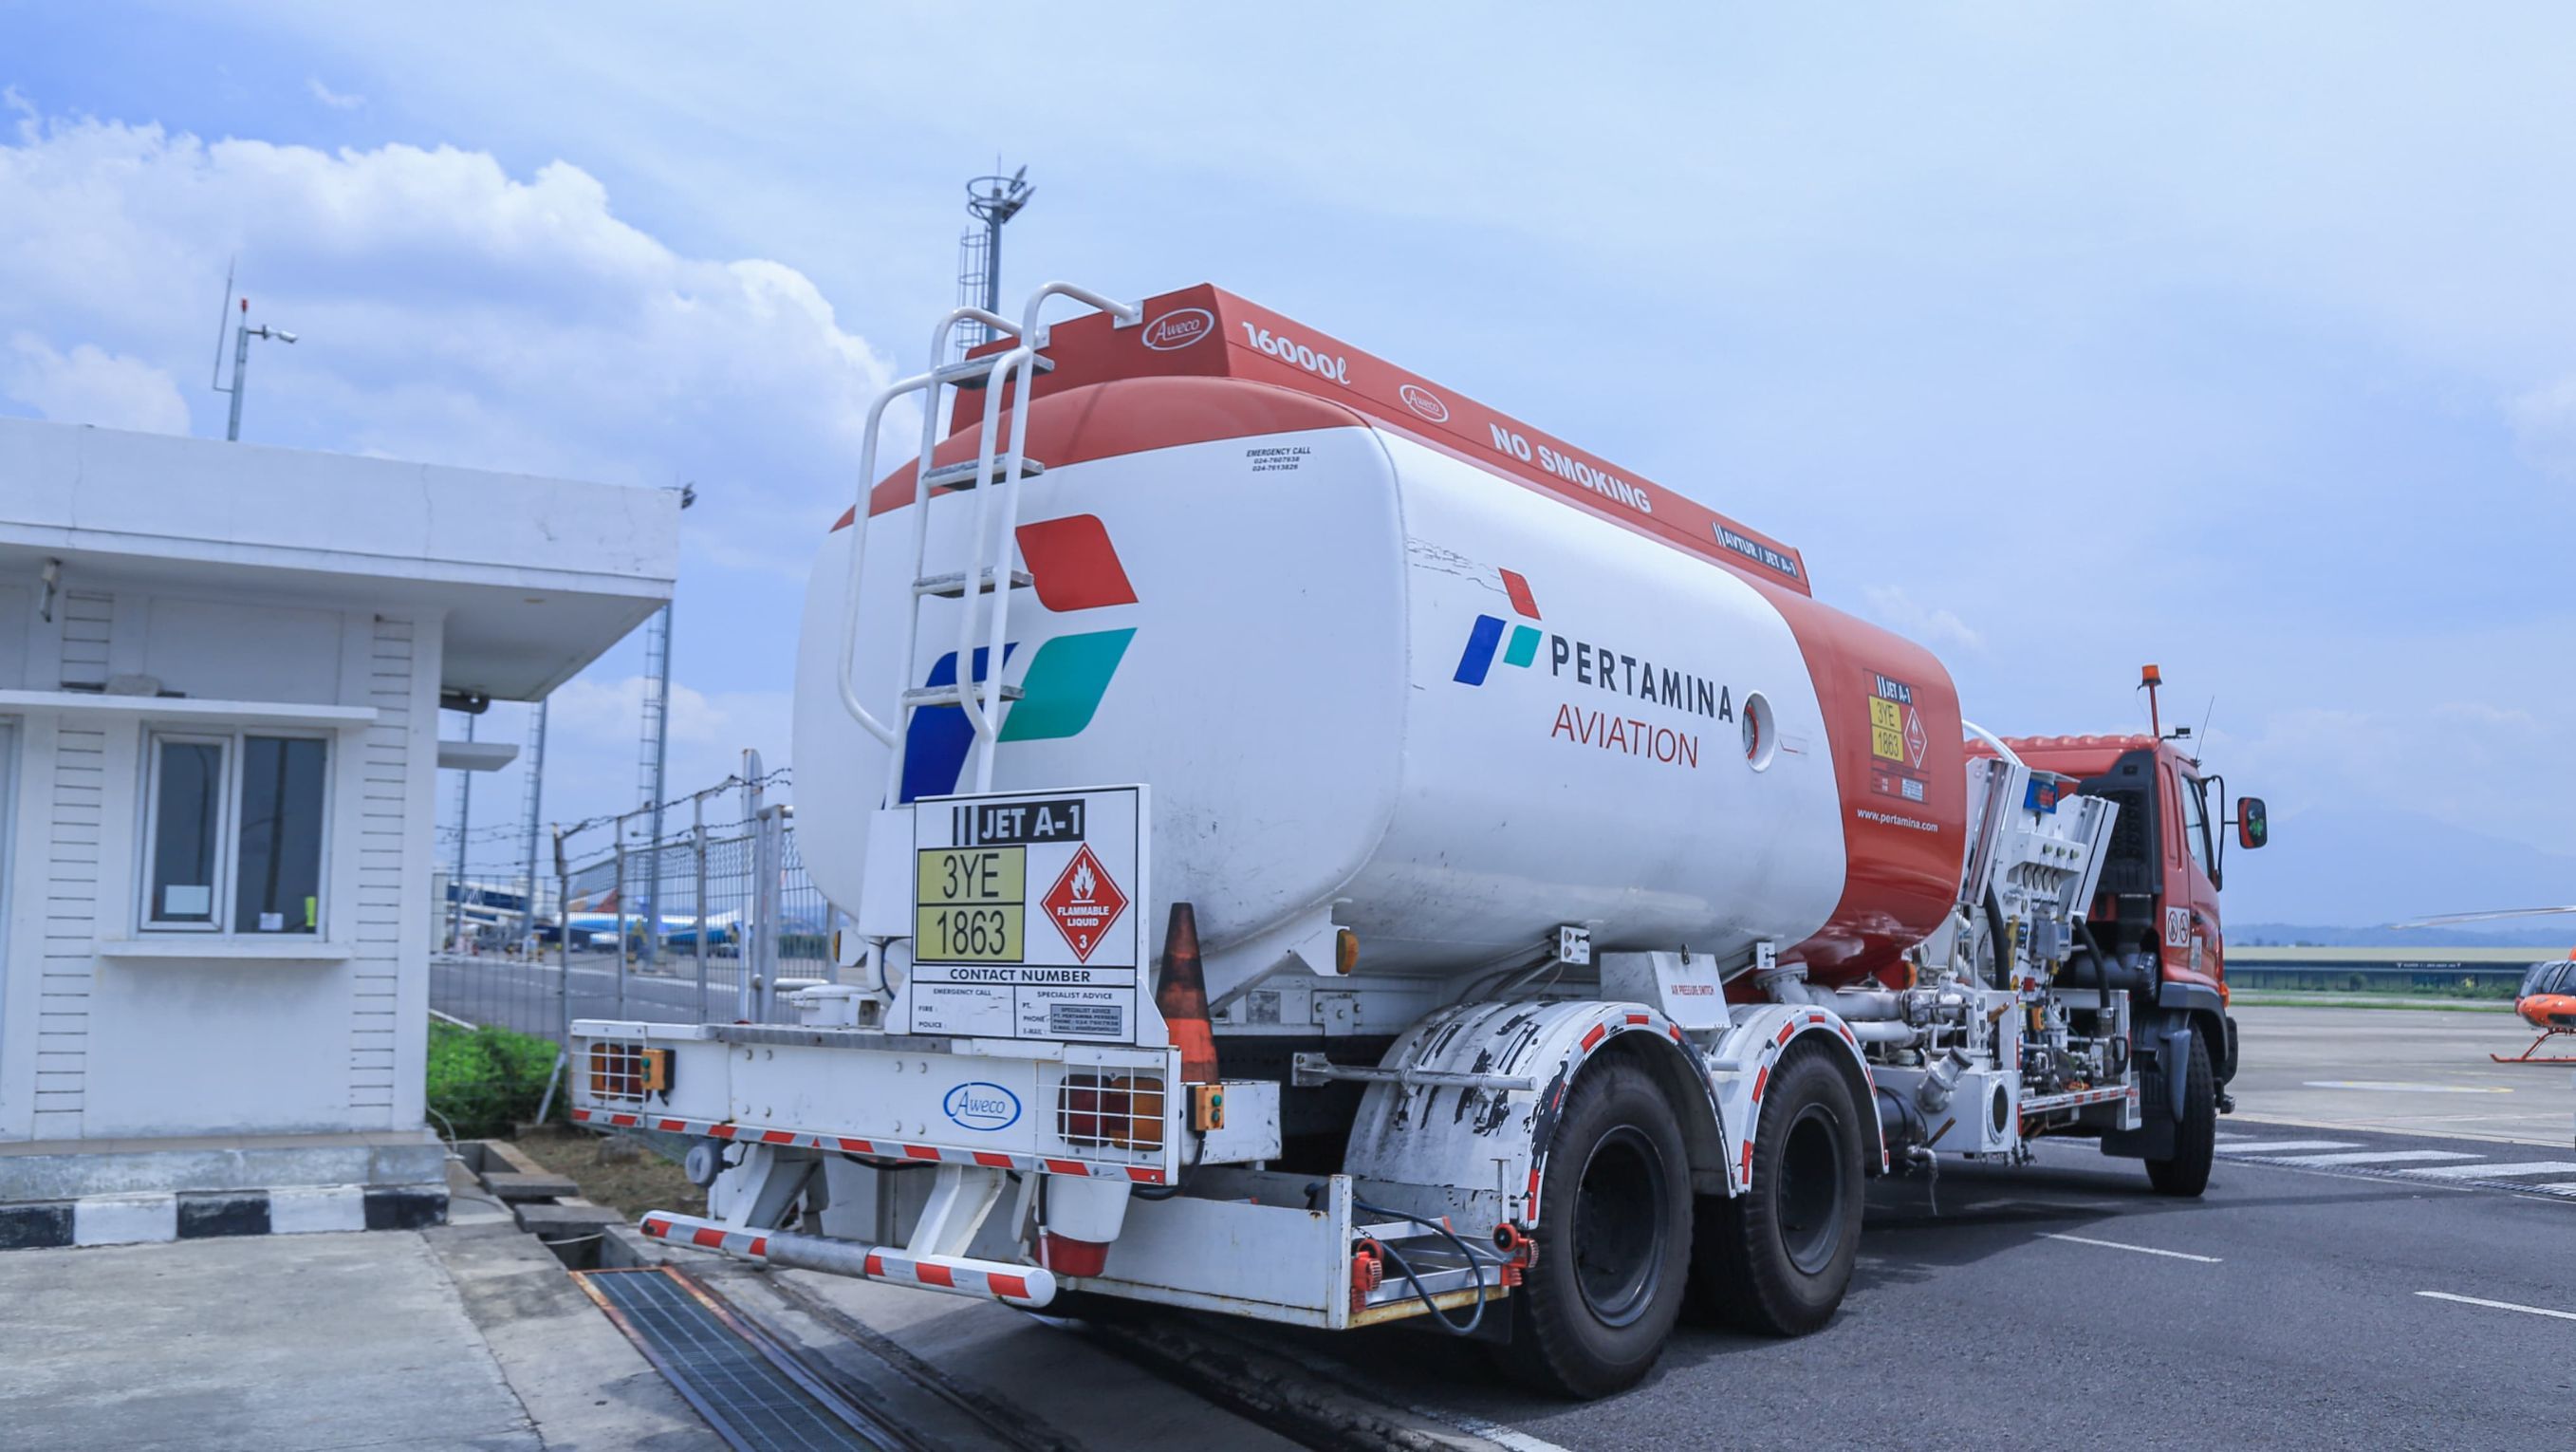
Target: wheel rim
pixel 1620 1208
pixel 1811 1190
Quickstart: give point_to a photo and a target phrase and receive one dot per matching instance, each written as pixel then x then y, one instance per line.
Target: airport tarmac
pixel 2400 1071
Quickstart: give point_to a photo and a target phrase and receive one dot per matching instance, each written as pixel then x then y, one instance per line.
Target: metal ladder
pixel 988 571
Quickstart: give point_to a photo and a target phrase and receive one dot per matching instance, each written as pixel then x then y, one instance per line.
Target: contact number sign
pixel 1028 917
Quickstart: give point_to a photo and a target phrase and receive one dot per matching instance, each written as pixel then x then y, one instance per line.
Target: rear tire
pixel 1777 1259
pixel 2196 1136
pixel 1613 1238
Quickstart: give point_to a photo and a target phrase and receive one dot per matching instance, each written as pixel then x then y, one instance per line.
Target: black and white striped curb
pixel 203 1214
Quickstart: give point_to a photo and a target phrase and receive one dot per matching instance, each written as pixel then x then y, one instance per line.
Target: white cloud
pixel 91 386
pixel 2544 427
pixel 450 312
pixel 1892 607
pixel 332 98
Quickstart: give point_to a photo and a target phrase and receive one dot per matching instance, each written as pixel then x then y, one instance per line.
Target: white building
pixel 221 667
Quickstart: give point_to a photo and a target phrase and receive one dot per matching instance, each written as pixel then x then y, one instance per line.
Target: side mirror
pixel 2251 830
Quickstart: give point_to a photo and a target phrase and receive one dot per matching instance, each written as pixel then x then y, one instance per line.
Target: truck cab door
pixel 2194 950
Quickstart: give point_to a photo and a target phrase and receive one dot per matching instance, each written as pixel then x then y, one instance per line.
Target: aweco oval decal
pixel 982 1106
pixel 1424 402
pixel 1179 328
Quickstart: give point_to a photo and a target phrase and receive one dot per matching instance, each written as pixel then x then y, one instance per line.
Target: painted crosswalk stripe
pixel 2284 1146
pixel 2377 1157
pixel 2497 1172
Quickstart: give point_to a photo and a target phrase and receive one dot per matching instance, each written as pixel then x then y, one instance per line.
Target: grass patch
pixel 483 1082
pixel 2318 998
pixel 632 1181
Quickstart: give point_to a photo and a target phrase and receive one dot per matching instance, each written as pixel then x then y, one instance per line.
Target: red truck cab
pixel 2156 917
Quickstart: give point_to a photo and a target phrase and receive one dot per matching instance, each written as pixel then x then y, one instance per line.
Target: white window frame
pixel 234 742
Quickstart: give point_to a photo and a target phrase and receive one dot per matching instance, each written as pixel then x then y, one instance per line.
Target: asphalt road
pixel 2062 1304
pixel 2386 1257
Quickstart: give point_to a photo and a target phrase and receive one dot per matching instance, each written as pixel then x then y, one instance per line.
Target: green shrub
pixel 482 1082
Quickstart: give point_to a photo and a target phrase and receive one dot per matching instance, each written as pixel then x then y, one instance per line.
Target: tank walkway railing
pixel 988 571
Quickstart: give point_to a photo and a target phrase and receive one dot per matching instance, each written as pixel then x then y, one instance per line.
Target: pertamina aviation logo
pixel 1583 668
pixel 1073 567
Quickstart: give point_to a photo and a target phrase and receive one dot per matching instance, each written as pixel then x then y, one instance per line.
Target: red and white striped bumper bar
pixel 886 1149
pixel 1021 1285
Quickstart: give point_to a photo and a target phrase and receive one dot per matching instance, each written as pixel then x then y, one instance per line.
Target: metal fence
pixel 715 921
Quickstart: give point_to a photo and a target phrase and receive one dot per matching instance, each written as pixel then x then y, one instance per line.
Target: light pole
pixel 991 200
pixel 243 332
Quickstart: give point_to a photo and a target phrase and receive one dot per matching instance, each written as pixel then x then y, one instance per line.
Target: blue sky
pixel 2064 338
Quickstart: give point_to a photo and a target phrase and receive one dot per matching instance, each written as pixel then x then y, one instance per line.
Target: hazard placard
pixel 1085 903
pixel 1026 918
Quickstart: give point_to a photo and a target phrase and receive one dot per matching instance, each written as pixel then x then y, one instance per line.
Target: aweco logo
pixel 1487 635
pixel 1073 567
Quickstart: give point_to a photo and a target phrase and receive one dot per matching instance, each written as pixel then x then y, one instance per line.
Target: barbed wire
pixel 780 776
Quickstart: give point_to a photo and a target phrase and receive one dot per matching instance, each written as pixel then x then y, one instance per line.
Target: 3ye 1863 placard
pixel 1028 915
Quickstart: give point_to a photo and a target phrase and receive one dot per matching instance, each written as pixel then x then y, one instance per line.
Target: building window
pixel 233 833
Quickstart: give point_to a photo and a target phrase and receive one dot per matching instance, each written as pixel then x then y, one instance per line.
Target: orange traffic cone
pixel 1181 996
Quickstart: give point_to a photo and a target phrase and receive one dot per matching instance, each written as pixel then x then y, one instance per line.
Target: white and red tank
pixel 1384 652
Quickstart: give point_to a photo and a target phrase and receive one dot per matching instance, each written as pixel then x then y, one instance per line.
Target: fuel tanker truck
pixel 1318 849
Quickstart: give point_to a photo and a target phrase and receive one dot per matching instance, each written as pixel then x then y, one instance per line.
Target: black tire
pixel 1777 1259
pixel 2196 1137
pixel 1613 1238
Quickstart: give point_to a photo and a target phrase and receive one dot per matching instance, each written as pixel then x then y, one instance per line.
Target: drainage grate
pixel 748 1389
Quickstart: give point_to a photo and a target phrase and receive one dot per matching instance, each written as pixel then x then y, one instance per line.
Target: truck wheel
pixel 2196 1137
pixel 1777 1259
pixel 1613 1240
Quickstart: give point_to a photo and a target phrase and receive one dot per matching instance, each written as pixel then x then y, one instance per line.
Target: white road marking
pixel 2387 1086
pixel 2283 1146
pixel 2562 1187
pixel 2376 1157
pixel 2140 1249
pixel 2525 1167
pixel 2498 1305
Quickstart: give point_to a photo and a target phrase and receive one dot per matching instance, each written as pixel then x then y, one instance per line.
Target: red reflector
pixel 1073 1257
pixel 1009 1285
pixel 778 1136
pixel 875 1265
pixel 931 1273
pixel 920 1152
pixel 991 1160
pixel 858 1147
pixel 1599 1032
pixel 708 1236
pixel 1067 1167
pixel 760 1245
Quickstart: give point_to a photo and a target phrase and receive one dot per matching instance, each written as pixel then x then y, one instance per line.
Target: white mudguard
pixel 1743 1061
pixel 1476 1151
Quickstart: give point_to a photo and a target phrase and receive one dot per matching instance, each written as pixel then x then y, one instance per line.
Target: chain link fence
pixel 715 921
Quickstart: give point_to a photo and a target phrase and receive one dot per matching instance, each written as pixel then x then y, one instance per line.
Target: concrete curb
pixel 205 1214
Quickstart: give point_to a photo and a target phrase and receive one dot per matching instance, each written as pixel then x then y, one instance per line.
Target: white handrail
pixel 1127 314
pixel 858 556
pixel 1005 544
pixel 976 713
pixel 928 385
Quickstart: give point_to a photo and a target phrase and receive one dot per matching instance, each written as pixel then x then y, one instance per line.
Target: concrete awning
pixel 536 577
